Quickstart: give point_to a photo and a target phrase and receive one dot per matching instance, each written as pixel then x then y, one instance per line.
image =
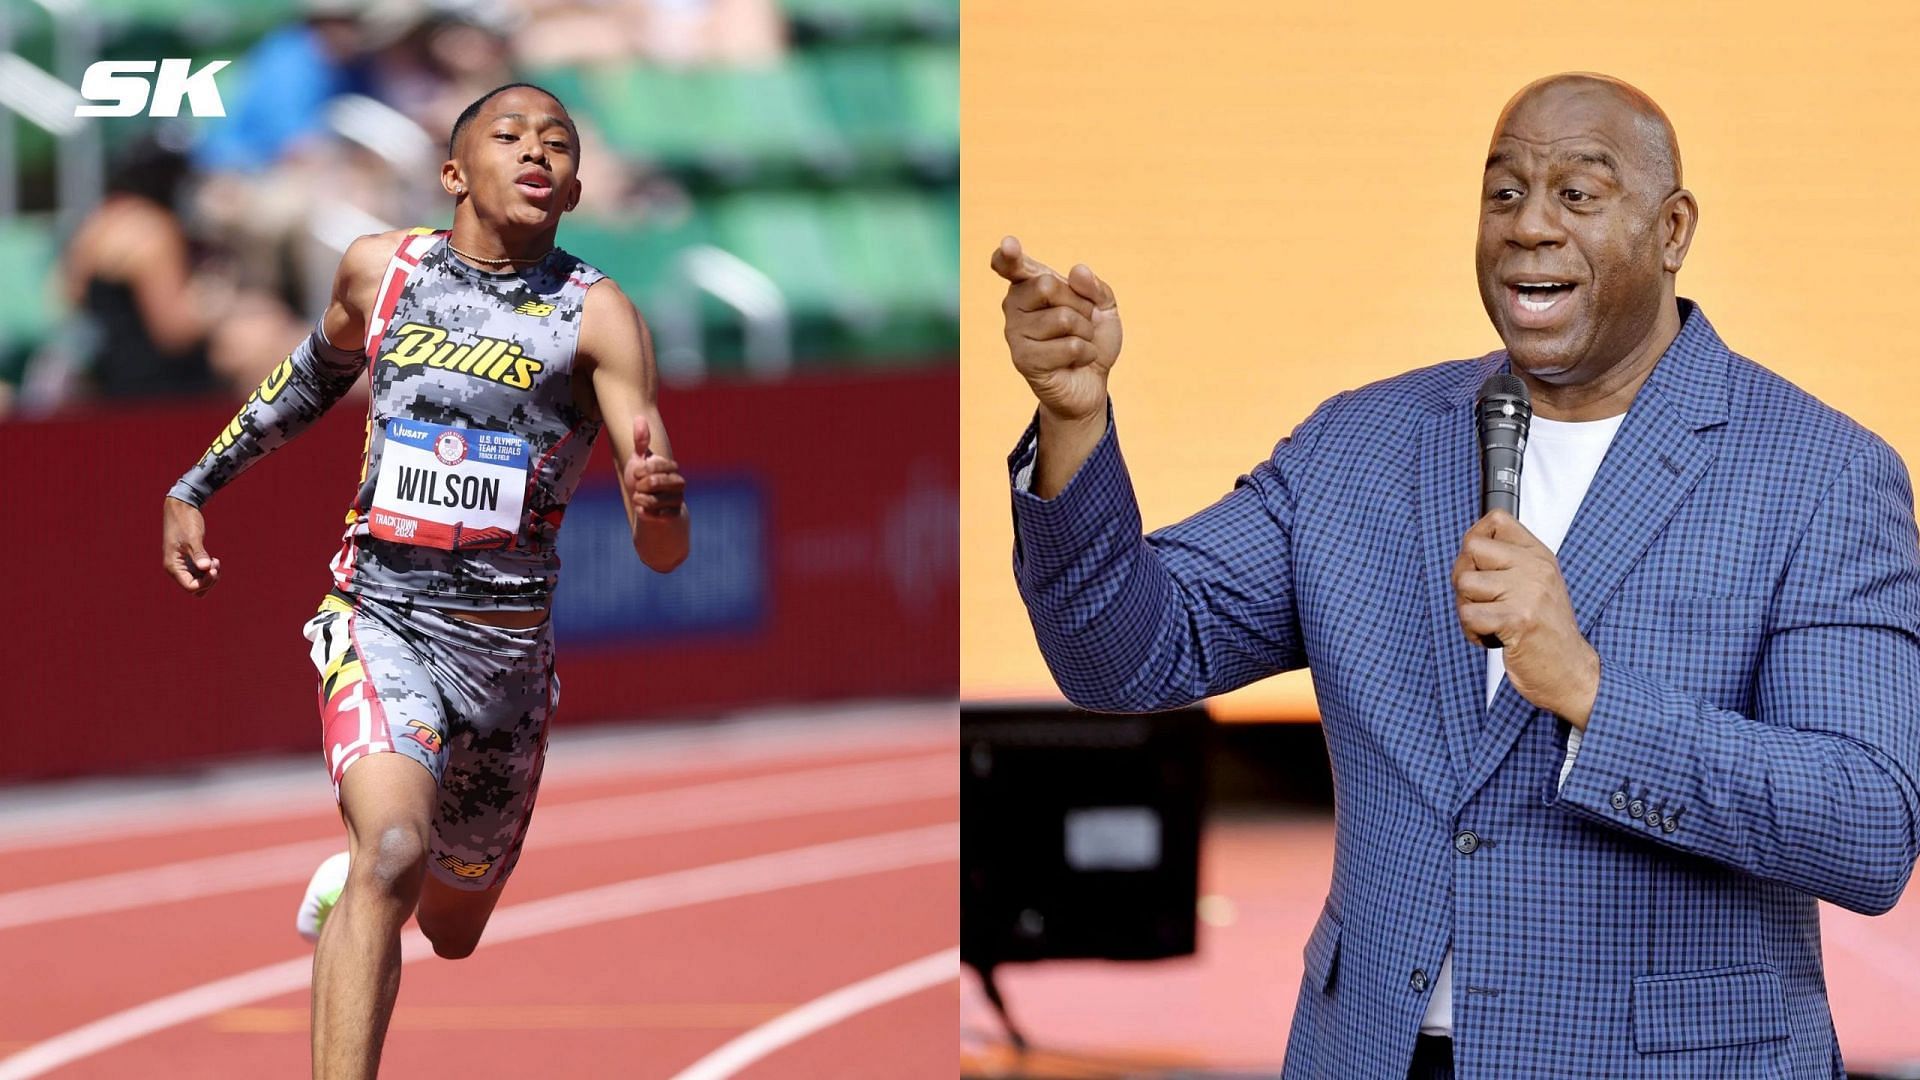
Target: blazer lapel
pixel 1654 461
pixel 1449 469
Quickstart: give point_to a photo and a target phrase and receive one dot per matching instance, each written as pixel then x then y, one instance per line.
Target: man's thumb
pixel 642 437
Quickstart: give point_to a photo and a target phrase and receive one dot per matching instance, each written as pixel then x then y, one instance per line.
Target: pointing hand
pixel 1063 332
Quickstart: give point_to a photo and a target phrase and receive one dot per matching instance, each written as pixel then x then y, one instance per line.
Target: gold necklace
pixel 476 258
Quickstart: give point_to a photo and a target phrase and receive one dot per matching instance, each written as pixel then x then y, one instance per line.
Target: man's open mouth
pixel 1538 303
pixel 1542 295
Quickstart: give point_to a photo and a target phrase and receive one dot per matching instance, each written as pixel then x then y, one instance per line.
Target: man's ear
pixel 1680 215
pixel 573 194
pixel 450 179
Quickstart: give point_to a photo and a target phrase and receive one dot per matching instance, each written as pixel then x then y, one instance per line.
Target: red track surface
pixel 638 995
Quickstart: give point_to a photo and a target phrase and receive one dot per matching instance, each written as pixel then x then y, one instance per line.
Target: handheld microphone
pixel 1503 412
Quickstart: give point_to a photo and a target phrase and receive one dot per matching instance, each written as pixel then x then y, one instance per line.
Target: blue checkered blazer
pixel 1745 564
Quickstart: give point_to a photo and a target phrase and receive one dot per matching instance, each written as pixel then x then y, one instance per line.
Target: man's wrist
pixel 1061 445
pixel 1059 426
pixel 1586 691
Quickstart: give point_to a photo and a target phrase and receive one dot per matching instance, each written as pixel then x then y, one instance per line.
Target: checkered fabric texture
pixel 1745 564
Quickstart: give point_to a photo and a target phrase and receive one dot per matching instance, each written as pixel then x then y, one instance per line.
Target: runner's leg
pixel 387 800
pixel 453 919
pixel 501 702
pixel 383 724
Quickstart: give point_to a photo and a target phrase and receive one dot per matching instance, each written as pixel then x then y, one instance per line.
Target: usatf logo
pixel 125 84
pixel 424 734
pixel 533 307
pixel 463 869
pixel 487 358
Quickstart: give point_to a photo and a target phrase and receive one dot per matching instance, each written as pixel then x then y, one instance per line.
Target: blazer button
pixel 1653 818
pixel 1466 843
pixel 1636 808
pixel 1619 800
pixel 1671 823
pixel 1419 980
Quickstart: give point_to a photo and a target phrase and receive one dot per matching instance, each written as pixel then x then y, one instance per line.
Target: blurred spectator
pixel 362 169
pixel 149 324
pixel 259 186
pixel 285 82
pixel 451 52
pixel 678 33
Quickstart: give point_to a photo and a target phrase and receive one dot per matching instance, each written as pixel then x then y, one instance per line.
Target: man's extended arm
pixel 1817 789
pixel 1132 623
pixel 292 396
pixel 295 394
pixel 615 343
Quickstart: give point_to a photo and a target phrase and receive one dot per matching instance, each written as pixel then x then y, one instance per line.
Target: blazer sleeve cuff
pixel 1049 534
pixel 1611 778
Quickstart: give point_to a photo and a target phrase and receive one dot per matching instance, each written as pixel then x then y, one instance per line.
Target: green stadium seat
pixel 930 94
pixel 644 112
pixel 860 89
pixel 774 117
pixel 889 103
pixel 728 124
pixel 898 247
pixel 868 275
pixel 200 19
pixel 786 236
pixel 875 19
pixel 640 256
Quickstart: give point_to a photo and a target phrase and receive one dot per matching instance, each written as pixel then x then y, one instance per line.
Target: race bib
pixel 447 487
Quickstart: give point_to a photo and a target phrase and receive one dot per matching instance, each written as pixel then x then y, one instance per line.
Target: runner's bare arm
pixel 294 395
pixel 618 352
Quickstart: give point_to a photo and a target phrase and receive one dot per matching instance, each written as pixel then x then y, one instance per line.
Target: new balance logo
pixel 533 307
pixel 124 83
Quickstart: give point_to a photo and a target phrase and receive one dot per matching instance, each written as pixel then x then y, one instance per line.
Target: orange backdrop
pixel 1284 201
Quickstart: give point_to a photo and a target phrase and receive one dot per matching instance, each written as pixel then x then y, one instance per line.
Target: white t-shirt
pixel 1560 462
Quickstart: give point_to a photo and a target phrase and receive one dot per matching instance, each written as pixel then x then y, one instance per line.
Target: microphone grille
pixel 1504 384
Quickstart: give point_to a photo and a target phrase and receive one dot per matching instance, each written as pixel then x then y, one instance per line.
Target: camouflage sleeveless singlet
pixel 474 443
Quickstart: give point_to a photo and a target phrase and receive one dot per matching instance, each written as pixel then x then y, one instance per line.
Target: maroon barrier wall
pixel 825 565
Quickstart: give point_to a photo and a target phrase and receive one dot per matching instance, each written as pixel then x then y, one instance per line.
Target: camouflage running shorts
pixel 467 700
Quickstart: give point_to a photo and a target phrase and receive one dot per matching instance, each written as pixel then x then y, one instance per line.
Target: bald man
pixel 1595 851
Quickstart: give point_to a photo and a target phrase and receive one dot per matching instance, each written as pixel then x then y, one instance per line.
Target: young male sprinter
pixel 496 358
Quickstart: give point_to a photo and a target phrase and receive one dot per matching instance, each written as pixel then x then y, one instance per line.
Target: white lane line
pixel 589 821
pixel 824 1012
pixel 118 808
pixel 661 892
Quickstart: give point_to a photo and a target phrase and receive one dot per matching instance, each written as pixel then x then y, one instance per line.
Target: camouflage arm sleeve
pixel 305 385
